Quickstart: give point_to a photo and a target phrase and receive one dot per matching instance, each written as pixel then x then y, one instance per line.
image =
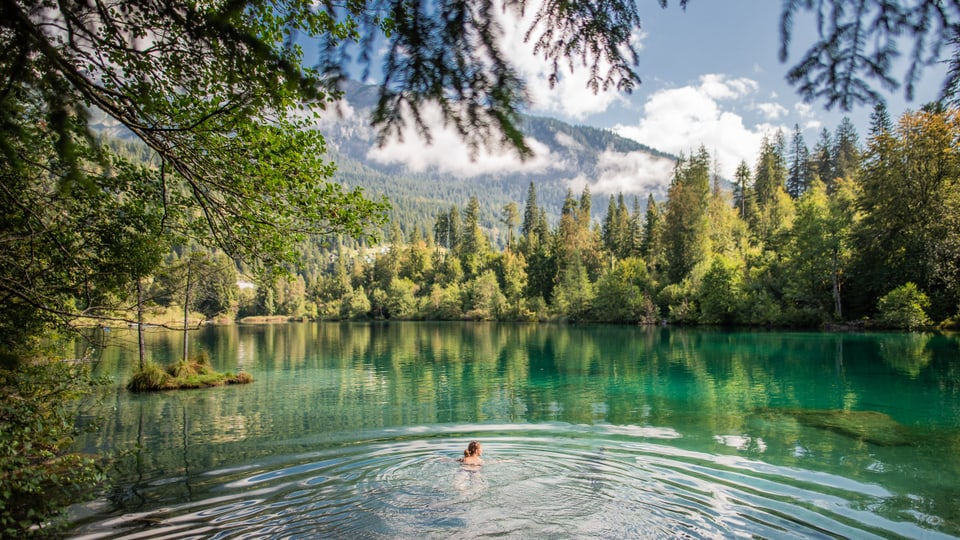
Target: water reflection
pixel 703 395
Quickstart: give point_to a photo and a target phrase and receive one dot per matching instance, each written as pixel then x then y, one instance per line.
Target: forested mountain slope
pixel 568 157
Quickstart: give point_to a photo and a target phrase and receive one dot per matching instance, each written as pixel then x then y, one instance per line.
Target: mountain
pixel 423 179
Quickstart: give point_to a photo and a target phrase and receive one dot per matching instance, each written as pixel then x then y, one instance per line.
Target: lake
pixel 353 430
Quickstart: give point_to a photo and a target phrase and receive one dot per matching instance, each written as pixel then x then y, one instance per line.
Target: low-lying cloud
pixel 631 173
pixel 446 152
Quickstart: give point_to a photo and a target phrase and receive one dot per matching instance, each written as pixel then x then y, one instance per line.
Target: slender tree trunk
pixel 837 306
pixel 186 314
pixel 140 341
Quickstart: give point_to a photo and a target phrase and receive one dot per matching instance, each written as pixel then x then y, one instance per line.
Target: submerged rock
pixel 868 426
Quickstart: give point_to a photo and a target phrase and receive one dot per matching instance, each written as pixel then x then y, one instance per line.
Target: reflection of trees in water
pixel 317 383
pixel 907 353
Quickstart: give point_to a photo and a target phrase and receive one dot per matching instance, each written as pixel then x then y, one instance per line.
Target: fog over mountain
pixel 421 179
pixel 417 176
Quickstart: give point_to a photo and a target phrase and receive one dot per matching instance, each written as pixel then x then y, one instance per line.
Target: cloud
pixel 448 153
pixel 334 115
pixel 637 173
pixel 772 111
pixel 718 86
pixel 806 112
pixel 679 120
pixel 570 96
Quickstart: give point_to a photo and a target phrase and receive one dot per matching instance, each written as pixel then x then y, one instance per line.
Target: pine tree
pixel 846 151
pixel 823 159
pixel 441 230
pixel 742 188
pixel 880 120
pixel 474 248
pixel 530 214
pixel 685 232
pixel 608 231
pixel 770 174
pixel 454 228
pixel 510 216
pixel 798 175
pixel 651 245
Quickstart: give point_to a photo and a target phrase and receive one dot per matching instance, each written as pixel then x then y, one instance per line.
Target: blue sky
pixel 711 76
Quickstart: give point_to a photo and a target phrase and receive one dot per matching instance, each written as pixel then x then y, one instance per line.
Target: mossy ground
pixel 193 373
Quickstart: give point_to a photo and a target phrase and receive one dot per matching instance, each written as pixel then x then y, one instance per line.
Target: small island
pixel 183 374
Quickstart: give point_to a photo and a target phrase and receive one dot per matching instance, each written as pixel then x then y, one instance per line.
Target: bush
pixel 195 373
pixel 675 300
pixel 904 307
pixel 952 323
pixel 38 476
pixel 719 294
pixel 150 377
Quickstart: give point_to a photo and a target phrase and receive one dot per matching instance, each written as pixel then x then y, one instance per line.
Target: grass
pixel 193 373
pixel 265 319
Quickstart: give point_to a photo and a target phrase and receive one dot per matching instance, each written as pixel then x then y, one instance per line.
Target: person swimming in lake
pixel 471 456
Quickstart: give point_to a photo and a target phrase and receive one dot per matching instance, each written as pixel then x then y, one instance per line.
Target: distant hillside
pixel 567 157
pixel 576 155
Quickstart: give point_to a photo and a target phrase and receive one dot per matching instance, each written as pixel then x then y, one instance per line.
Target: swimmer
pixel 471 456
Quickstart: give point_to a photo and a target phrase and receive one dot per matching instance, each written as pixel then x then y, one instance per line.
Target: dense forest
pixel 846 231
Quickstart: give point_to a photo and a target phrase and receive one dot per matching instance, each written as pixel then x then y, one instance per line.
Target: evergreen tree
pixel 608 230
pixel 636 227
pixel 474 248
pixel 770 174
pixel 530 215
pixel 651 247
pixel 910 229
pixel 454 229
pixel 798 174
pixel 824 163
pixel 441 230
pixel 769 192
pixel 510 217
pixel 742 189
pixel 685 232
pixel 846 151
pixel 585 214
pixel 880 121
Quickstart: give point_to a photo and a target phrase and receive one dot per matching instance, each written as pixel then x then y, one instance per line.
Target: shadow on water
pixel 867 426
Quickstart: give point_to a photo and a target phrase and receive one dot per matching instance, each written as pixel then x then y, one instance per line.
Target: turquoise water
pixel 352 430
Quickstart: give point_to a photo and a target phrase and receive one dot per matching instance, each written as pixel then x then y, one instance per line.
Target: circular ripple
pixel 537 481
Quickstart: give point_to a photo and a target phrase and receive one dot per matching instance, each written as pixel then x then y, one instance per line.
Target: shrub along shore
pixel 183 374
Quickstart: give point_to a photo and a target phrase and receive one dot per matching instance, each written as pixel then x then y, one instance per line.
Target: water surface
pixel 352 430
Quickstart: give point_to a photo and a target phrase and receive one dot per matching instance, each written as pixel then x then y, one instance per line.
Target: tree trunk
pixel 140 341
pixel 837 307
pixel 186 314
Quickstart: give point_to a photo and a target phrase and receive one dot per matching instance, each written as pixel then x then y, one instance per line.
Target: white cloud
pixel 772 111
pixel 570 96
pixel 679 120
pixel 637 173
pixel 717 86
pixel 566 140
pixel 807 113
pixel 448 153
pixel 335 114
pixel 805 110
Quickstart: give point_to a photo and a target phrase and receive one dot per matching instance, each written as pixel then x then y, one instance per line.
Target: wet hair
pixel 472 449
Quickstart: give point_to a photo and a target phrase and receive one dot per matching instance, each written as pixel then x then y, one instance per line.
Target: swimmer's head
pixel 473 449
